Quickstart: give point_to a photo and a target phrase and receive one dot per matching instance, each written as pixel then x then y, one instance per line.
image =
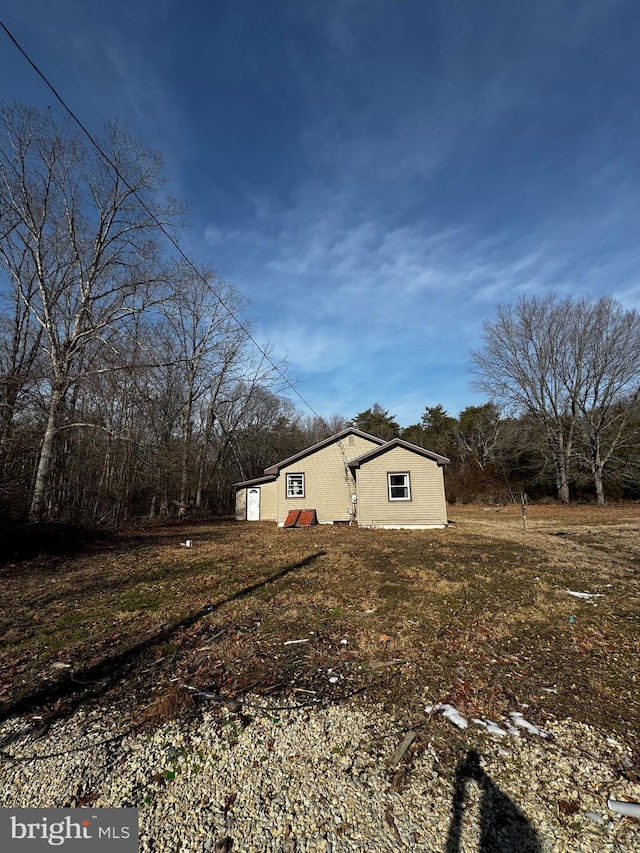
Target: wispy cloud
pixel 376 177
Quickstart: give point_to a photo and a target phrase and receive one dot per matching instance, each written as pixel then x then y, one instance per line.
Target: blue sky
pixel 374 177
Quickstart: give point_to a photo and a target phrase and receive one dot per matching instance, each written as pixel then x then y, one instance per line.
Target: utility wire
pixel 156 221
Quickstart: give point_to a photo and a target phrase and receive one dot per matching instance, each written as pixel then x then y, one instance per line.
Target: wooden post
pixel 523 499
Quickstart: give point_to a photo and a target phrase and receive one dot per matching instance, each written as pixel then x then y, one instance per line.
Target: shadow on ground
pixel 503 826
pixel 22 542
pixel 91 683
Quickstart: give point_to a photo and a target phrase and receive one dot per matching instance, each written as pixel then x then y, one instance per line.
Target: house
pixel 351 476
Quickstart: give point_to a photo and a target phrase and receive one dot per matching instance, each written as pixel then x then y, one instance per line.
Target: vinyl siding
pixel 327 485
pixel 427 507
pixel 268 502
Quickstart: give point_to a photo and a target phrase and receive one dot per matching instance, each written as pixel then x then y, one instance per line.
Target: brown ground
pixel 477 615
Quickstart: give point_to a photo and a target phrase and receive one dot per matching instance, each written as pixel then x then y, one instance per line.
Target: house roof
pixel 397 442
pixel 275 469
pixel 258 481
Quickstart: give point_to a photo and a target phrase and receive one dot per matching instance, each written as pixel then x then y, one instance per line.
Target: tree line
pixel 128 388
pixel 563 375
pixel 124 377
pixel 572 367
pixel 499 457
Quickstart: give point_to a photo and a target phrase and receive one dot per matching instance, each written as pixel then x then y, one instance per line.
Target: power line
pixel 156 221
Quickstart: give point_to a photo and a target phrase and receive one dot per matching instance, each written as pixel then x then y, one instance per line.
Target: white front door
pixel 253 504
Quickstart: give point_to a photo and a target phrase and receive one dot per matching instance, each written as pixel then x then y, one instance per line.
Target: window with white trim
pixel 295 485
pixel 399 486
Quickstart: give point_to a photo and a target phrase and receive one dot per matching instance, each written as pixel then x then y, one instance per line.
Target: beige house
pixel 351 477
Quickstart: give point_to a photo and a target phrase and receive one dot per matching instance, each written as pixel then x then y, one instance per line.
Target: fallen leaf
pixel 567 807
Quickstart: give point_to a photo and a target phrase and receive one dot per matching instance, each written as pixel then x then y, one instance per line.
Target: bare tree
pixel 87 244
pixel 602 374
pixel 478 433
pixel 522 364
pixel 574 366
pixel 19 350
pixel 315 427
pixel 252 417
pixel 206 344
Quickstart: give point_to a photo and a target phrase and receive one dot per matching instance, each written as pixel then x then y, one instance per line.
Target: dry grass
pixel 477 615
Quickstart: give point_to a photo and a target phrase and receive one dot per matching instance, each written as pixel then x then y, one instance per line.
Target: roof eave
pixel 275 469
pixel 255 482
pixel 399 442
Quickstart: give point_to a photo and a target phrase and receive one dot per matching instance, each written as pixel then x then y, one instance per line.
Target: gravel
pixel 321 780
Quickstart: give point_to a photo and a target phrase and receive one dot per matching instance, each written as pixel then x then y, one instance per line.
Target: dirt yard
pixel 479 615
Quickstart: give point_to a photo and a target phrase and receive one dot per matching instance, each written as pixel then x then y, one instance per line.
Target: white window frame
pixel 405 485
pixel 291 479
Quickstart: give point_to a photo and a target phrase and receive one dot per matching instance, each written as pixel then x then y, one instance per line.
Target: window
pixel 295 485
pixel 399 487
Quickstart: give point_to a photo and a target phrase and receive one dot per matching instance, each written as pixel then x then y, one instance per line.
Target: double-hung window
pixel 399 487
pixel 295 485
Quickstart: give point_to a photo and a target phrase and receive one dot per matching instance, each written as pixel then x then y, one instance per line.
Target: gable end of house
pixel 274 470
pixel 395 443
